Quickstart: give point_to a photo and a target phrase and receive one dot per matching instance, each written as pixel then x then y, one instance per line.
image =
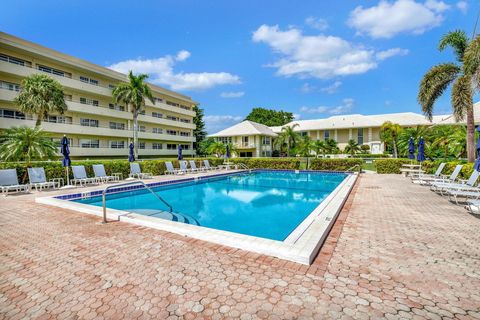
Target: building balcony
pixel 76 151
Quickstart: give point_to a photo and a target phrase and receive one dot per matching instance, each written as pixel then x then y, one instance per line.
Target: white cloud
pixel 332 88
pixel 382 55
pixel 237 94
pixel 388 19
pixel 317 23
pixel 346 106
pixel 462 6
pixel 161 72
pixel 317 56
pixel 217 123
pixel 307 88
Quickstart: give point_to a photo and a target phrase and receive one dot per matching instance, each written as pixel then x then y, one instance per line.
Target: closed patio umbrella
pixel 411 148
pixel 180 156
pixel 66 162
pixel 476 166
pixel 227 152
pixel 421 150
pixel 131 154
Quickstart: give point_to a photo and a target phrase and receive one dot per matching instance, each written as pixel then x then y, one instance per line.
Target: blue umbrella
pixel 411 148
pixel 180 156
pixel 227 151
pixel 476 166
pixel 421 150
pixel 65 151
pixel 131 154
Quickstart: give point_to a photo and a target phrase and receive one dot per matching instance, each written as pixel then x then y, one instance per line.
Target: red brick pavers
pixel 403 252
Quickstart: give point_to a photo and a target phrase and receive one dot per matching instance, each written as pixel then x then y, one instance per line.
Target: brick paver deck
pixel 403 252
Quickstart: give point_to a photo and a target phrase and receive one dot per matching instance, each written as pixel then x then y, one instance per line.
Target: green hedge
pixel 336 164
pixel 269 163
pixel 431 167
pixel 390 165
pixel 371 156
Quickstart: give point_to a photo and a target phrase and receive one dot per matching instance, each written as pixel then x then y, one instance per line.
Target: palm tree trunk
pixel 135 133
pixel 39 121
pixel 395 153
pixel 470 135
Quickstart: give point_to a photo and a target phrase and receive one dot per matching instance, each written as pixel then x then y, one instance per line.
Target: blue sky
pixel 315 59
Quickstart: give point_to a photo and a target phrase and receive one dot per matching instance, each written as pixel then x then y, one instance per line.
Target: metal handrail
pixel 104 194
pixel 357 165
pixel 243 166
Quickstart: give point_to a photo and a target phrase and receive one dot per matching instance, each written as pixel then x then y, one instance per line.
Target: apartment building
pixel 364 129
pixel 95 125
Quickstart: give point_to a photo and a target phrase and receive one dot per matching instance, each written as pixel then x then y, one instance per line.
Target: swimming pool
pixel 261 204
pixel 282 213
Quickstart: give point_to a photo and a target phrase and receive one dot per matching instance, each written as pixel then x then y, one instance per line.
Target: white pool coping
pixel 301 246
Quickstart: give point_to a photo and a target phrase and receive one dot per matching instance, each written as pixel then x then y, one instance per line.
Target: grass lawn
pixel 369 166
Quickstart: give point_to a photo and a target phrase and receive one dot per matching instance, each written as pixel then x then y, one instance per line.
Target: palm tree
pixel 319 147
pixel 26 144
pixel 133 94
pixel 389 133
pixel 462 74
pixel 41 95
pixel 331 146
pixel 415 133
pixel 288 137
pixel 352 147
pixel 217 148
pixel 305 146
pixel 233 149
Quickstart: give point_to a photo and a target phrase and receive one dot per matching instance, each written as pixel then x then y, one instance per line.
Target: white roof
pixel 245 128
pixel 361 121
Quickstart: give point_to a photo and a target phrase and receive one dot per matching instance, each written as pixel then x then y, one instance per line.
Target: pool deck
pixel 396 251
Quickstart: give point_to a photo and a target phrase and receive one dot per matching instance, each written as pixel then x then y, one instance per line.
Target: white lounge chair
pixel 184 166
pixel 136 172
pixel 80 176
pixel 461 185
pixel 193 166
pixel 101 175
pixel 171 169
pixel 452 178
pixel 9 182
pixel 453 195
pixel 473 206
pixel 417 178
pixel 206 165
pixel 38 179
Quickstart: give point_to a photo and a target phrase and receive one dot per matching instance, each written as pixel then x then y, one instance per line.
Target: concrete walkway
pixel 397 251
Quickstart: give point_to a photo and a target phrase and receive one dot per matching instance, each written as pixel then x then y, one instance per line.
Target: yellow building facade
pixel 95 125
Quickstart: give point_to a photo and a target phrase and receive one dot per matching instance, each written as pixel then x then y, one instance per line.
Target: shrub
pixel 431 167
pixel 269 163
pixel 371 156
pixel 335 164
pixel 390 165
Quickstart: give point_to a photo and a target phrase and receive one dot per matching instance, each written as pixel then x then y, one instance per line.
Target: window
pixel 360 136
pixel 185 120
pixel 185 107
pixel 117 144
pixel 266 141
pixel 157 146
pixel 11 114
pixel 303 133
pixel 89 143
pixel 54 71
pixel 89 80
pixel 185 134
pixel 172 118
pixel 245 141
pixel 157 115
pixel 59 119
pixel 185 146
pixel 266 153
pixel 170 103
pixel 88 122
pixel 224 140
pixel 116 107
pixel 171 146
pixel 9 86
pixel 14 60
pixel 89 101
pixel 142 129
pixel 67 97
pixel 158 100
pixel 141 145
pixel 157 130
pixel 326 135
pixel 117 125
pixel 58 141
pixel 171 132
pixel 142 112
pixel 111 86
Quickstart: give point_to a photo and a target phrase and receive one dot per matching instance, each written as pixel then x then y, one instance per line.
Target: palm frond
pixel 471 60
pixel 462 97
pixel 434 83
pixel 457 40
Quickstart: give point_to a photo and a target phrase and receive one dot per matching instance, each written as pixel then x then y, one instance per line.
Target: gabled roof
pixel 245 128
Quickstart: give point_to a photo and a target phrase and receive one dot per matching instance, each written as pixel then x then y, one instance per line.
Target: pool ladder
pixel 104 196
pixel 244 166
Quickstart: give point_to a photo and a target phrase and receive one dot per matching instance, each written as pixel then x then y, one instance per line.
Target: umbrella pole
pixel 68 176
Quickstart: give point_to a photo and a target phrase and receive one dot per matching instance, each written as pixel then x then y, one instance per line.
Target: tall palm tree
pixel 41 95
pixel 319 147
pixel 133 94
pixel 389 133
pixel 233 149
pixel 217 148
pixel 331 146
pixel 26 144
pixel 305 147
pixel 288 137
pixel 462 75
pixel 352 147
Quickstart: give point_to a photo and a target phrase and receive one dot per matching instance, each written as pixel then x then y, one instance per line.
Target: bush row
pixel 336 164
pixel 269 163
pixel 394 166
pixel 371 156
pixel 390 165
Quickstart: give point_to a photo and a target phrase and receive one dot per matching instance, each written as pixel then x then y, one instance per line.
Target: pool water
pixel 262 204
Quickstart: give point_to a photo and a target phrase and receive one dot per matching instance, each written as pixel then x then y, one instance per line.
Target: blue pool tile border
pixel 90 194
